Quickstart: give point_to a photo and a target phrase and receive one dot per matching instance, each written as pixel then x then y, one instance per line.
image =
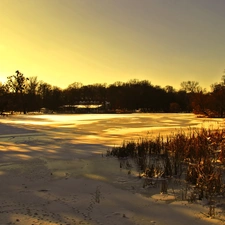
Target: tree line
pixel 27 94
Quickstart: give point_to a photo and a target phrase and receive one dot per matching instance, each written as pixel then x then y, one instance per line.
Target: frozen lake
pixel 107 129
pixel 53 170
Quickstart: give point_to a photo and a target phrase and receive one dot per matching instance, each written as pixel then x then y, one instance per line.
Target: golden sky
pixel 104 41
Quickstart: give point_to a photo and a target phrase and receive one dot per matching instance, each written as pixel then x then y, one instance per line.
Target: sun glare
pixel 2 80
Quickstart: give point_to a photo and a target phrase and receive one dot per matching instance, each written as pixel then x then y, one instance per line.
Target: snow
pixel 53 170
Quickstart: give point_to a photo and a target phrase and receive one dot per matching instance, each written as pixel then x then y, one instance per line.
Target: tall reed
pixel 197 153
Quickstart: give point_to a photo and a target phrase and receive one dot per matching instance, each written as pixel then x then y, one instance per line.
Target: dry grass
pixel 196 158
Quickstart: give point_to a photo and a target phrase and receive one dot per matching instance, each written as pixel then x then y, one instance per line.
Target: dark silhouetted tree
pixel 17 84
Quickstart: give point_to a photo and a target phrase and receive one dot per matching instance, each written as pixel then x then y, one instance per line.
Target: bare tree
pixel 190 86
pixel 32 85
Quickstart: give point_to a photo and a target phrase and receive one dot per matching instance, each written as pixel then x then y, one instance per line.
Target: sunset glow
pixel 61 42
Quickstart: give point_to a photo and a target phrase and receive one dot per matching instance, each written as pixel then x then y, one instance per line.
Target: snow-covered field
pixel 53 170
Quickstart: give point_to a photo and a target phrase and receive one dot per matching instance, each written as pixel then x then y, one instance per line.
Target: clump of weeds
pixel 197 157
